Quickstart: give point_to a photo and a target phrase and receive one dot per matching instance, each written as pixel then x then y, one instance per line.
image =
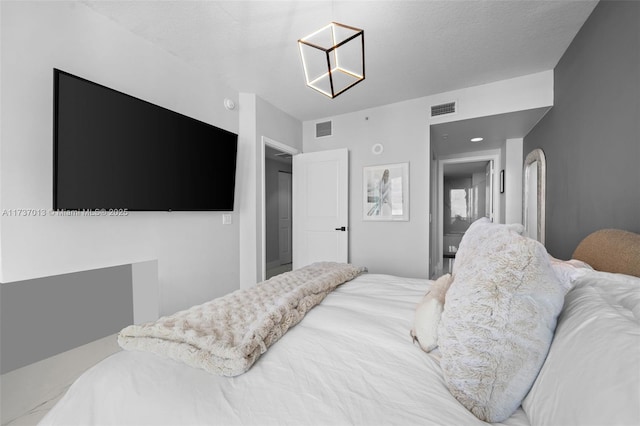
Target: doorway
pixel 466 192
pixel 467 198
pixel 277 202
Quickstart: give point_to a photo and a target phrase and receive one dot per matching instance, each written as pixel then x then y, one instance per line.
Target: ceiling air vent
pixel 443 109
pixel 323 129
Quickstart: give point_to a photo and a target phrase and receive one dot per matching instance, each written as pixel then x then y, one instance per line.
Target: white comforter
pixel 350 361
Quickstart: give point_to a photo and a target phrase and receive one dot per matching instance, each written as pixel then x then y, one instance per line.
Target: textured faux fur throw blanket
pixel 227 335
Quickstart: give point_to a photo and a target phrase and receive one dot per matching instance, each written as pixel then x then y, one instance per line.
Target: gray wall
pixel 591 136
pixel 42 317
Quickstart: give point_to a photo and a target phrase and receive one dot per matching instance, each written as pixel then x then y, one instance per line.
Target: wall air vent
pixel 443 109
pixel 324 129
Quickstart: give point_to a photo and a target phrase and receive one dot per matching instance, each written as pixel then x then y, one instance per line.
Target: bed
pixel 351 360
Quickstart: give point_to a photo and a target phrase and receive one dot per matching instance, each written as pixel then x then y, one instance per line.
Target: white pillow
pixel 428 312
pixel 568 271
pixel 592 373
pixel 499 319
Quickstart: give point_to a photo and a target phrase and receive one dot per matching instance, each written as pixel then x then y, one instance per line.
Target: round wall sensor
pixel 229 104
pixel 377 149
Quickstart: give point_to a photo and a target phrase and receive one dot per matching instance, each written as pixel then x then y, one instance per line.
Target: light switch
pixel 226 219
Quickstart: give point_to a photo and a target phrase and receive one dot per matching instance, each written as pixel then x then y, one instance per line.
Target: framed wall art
pixel 386 192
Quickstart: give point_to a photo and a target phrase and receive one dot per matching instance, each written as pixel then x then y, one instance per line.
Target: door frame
pixel 265 141
pixel 467 157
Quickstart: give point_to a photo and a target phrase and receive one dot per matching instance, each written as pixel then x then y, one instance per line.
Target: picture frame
pixel 385 192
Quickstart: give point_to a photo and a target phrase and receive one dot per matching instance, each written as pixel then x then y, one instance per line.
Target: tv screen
pixel 114 151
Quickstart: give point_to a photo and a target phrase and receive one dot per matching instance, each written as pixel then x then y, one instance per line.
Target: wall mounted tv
pixel 114 151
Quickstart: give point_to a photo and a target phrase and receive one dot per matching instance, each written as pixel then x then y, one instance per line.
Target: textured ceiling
pixel 412 48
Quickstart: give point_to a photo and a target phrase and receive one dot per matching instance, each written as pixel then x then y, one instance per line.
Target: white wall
pixel 402 248
pixel 512 202
pixel 247 179
pixel 258 119
pixel 515 94
pixel 197 255
pixel 383 247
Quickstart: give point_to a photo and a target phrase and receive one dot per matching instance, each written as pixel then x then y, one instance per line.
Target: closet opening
pixel 278 220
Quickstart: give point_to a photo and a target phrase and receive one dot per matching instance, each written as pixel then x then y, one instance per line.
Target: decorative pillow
pixel 590 376
pixel 428 312
pixel 499 319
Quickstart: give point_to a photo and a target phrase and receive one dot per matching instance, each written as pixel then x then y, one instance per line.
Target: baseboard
pixel 31 388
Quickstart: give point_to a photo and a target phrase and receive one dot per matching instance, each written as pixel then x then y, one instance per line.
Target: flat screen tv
pixel 114 151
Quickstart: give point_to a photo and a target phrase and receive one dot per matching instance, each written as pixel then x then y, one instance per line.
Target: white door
pixel 284 217
pixel 320 207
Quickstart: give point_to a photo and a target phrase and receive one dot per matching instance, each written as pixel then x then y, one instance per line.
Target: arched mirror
pixel 533 195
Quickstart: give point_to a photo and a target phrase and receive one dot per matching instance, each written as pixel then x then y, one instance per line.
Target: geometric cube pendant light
pixel 333 58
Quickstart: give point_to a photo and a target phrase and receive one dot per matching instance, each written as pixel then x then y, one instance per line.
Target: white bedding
pixel 592 373
pixel 350 361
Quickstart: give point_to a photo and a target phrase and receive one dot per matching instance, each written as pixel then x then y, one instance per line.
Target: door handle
pixel 342 228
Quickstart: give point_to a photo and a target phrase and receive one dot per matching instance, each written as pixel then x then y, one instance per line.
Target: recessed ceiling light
pixel 477 139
